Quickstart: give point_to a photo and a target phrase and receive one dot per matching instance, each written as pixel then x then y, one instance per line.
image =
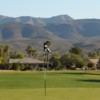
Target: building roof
pixel 95 61
pixel 26 61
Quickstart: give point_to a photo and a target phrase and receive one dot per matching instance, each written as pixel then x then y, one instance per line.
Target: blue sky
pixel 77 9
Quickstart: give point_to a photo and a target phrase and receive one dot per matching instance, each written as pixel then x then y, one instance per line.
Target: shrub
pixel 91 65
pixel 18 67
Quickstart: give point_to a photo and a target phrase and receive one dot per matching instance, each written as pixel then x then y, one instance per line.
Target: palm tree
pixel 29 50
pixel 48 43
pixel 1 53
pixel 34 53
pixel 6 51
pixel 1 50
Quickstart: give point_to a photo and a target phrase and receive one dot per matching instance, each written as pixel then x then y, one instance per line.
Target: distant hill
pixel 62 30
pixel 33 20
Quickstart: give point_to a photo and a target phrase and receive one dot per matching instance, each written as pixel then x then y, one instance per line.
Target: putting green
pixel 67 85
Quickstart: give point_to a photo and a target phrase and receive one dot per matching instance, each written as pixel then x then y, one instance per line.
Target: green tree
pixel 65 61
pixel 56 55
pixel 1 50
pixel 98 53
pixel 76 50
pixel 1 60
pixel 17 55
pixel 29 50
pixel 48 43
pixel 34 53
pixel 1 53
pixel 6 52
pixel 93 54
pixel 56 64
pixel 98 64
pixel 80 61
pixel 68 60
pixel 18 66
pixel 91 65
pixel 55 61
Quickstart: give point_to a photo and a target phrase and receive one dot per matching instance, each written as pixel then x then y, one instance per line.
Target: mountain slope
pixel 16 31
pixel 33 20
pixel 62 30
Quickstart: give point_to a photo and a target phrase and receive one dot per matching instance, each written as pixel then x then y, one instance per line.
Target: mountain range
pixel 63 31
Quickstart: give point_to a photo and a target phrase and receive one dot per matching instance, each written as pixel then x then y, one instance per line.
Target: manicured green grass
pixel 52 94
pixel 67 85
pixel 31 80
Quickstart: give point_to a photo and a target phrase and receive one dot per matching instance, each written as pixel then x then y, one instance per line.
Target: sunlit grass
pixel 52 94
pixel 61 85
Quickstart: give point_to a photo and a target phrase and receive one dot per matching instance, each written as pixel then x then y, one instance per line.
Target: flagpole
pixel 46 62
pixel 45 77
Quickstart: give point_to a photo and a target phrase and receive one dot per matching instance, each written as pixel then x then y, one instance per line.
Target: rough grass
pixel 70 85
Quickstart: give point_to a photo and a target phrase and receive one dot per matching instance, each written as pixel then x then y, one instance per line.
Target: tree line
pixel 6 54
pixel 72 60
pixel 75 59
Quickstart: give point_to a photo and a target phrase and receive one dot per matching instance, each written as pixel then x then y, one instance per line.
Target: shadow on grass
pixel 90 80
pixel 74 73
pixel 80 73
pixel 93 73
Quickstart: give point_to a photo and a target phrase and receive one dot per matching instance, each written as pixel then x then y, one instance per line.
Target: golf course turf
pixel 63 85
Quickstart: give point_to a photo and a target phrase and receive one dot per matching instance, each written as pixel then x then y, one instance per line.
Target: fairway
pixel 67 85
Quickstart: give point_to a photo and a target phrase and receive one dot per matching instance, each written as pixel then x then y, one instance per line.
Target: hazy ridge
pixel 62 30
